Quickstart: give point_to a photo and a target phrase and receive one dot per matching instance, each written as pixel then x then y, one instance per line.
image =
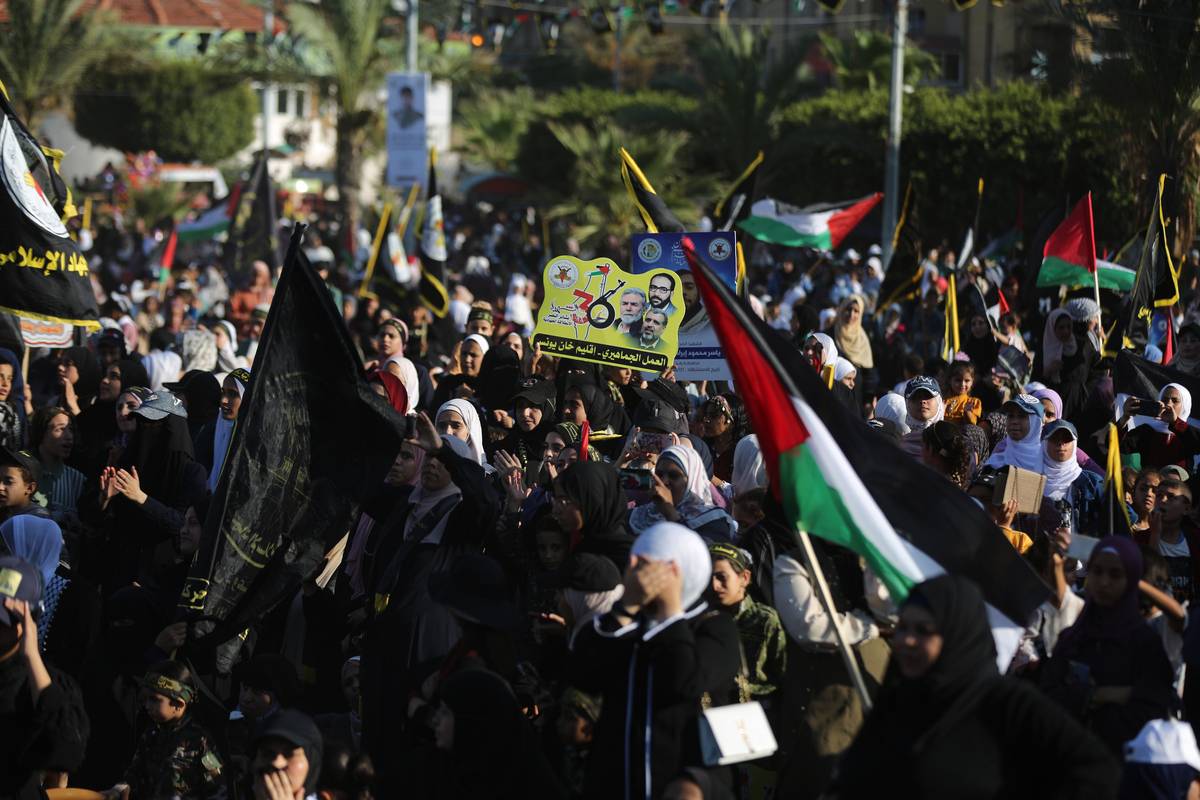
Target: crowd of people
pixel 567 565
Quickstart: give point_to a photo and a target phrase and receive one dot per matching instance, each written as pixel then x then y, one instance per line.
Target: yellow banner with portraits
pixel 595 311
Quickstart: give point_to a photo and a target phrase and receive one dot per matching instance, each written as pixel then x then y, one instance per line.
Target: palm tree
pixel 864 61
pixel 349 34
pixel 491 127
pixel 598 204
pixel 745 87
pixel 46 46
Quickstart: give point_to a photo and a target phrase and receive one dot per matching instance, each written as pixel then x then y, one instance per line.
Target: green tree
pixel 46 47
pixel 1145 62
pixel 745 87
pixel 183 110
pixel 491 126
pixel 864 60
pixel 350 33
pixel 597 204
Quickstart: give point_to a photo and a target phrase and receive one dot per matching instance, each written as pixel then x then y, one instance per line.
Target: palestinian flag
pixel 655 214
pixel 211 222
pixel 432 286
pixel 1113 276
pixel 1069 257
pixel 821 226
pixel 838 479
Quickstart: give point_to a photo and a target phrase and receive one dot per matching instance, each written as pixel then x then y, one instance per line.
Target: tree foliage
pixel 46 47
pixel 491 126
pixel 864 60
pixel 184 110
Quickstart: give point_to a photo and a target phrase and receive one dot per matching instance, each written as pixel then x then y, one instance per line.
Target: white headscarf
pixel 471 418
pixel 893 407
pixel 749 468
pixel 1185 400
pixel 1059 474
pixel 408 377
pixel 690 462
pixel 162 366
pixel 914 424
pixel 483 343
pixel 586 606
pixel 669 541
pixel 222 434
pixel 842 368
pixel 829 351
pixel 1026 454
pixel 423 500
pixel 1052 348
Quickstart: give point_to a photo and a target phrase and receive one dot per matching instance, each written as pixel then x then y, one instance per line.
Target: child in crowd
pixel 748 509
pixel 577 716
pixel 175 756
pixel 960 405
pixel 19 476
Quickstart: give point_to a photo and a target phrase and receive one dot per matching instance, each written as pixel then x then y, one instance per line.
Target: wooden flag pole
pixel 818 578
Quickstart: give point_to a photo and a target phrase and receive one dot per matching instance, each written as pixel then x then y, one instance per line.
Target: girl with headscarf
pixel 452 511
pixel 225 338
pixel 681 494
pixel 980 343
pixel 1022 444
pixel 852 341
pixel 396 488
pixel 822 353
pixel 1166 437
pixel 1068 482
pixel 532 408
pixel 499 379
pixel 78 379
pixel 214 439
pixel 468 381
pixel 12 401
pixel 1110 669
pixel 390 388
pixel 584 397
pixel 946 724
pixel 749 467
pixel 1068 356
pixel 590 507
pixel 40 542
pixel 924 407
pixel 1187 357
pixel 460 419
pixel 97 425
pixel 648 731
pixel 724 423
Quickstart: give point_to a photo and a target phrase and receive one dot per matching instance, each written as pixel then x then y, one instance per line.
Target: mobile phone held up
pixel 410 426
pixel 637 484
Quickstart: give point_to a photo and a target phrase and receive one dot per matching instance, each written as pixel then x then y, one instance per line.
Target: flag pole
pixel 818 578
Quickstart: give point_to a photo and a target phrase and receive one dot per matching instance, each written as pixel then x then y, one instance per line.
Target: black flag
pixel 311 439
pixel 42 273
pixel 432 287
pixel 734 205
pixel 253 230
pixel 655 214
pixel 387 268
pixel 1157 281
pixel 902 280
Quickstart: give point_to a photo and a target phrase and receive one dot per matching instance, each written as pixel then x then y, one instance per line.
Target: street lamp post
pixel 411 34
pixel 268 28
pixel 891 178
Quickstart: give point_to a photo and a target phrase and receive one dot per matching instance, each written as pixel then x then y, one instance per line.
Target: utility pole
pixel 412 33
pixel 617 51
pixel 268 29
pixel 891 178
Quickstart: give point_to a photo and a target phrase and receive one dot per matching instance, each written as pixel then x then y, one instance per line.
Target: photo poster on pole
pixel 595 311
pixel 407 146
pixel 699 357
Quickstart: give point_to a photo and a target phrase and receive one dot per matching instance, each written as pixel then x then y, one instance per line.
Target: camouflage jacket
pixel 176 760
pixel 764 644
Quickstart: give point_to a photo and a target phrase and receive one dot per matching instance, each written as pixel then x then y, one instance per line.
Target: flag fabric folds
pixel 389 275
pixel 1157 281
pixel 839 480
pixel 734 205
pixel 432 286
pixel 311 439
pixel 1069 256
pixel 254 227
pixel 655 215
pixel 902 280
pixel 42 273
pixel 821 226
pixel 1117 513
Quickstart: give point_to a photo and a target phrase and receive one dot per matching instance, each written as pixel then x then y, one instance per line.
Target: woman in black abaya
pixel 946 724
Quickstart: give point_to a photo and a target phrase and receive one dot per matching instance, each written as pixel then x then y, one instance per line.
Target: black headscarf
pixel 596 400
pixel 499 375
pixel 527 445
pixel 161 451
pixel 202 392
pixel 89 373
pixel 594 486
pixel 133 374
pixel 982 350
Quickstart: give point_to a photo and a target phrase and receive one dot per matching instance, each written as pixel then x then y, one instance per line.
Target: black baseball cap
pixel 190 377
pixel 655 415
pixel 18 581
pixel 669 392
pixel 21 458
pixel 159 405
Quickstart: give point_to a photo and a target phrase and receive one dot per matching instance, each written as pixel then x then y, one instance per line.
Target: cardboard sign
pixel 595 311
pixel 700 356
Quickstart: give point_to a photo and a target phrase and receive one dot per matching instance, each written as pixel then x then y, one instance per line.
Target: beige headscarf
pixel 852 340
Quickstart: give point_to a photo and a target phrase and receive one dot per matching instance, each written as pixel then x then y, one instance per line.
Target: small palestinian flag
pixel 822 226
